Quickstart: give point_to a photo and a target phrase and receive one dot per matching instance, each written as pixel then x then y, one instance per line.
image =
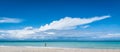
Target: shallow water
pixel 101 45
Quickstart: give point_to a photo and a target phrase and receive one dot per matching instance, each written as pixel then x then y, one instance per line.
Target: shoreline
pixel 51 49
pixel 57 47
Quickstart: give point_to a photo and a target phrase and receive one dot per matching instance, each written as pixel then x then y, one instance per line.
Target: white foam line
pixel 35 47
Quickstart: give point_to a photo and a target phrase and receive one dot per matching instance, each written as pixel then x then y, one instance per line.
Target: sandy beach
pixel 49 49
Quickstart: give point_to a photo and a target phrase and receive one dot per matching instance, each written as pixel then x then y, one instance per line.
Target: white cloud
pixel 85 26
pixel 110 35
pixel 62 24
pixel 9 20
pixel 70 23
pixel 28 28
pixel 51 33
pixel 21 33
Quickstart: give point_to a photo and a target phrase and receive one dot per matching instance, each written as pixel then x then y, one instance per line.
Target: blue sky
pixel 59 19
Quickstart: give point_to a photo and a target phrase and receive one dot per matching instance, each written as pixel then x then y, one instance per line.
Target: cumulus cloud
pixel 9 20
pixel 21 33
pixel 70 23
pixel 17 33
pixel 51 33
pixel 40 33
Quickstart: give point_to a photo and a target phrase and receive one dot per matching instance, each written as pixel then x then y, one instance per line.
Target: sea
pixel 97 45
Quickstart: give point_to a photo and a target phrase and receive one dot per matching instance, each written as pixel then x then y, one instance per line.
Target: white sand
pixel 48 49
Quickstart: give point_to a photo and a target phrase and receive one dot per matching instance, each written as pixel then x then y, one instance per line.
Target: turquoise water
pixel 102 45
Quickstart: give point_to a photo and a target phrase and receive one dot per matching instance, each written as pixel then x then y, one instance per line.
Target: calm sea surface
pixel 101 45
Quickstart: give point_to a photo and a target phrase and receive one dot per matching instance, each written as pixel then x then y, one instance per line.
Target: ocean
pixel 99 45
